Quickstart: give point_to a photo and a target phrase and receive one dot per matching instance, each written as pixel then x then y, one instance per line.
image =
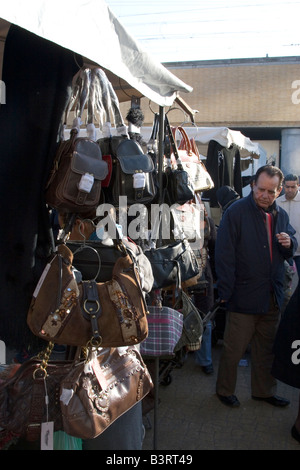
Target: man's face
pixel 266 190
pixel 291 188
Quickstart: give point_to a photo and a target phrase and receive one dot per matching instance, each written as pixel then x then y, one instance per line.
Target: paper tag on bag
pixel 47 435
pixel 139 180
pixel 86 183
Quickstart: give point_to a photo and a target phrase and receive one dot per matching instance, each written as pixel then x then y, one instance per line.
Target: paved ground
pixel 190 416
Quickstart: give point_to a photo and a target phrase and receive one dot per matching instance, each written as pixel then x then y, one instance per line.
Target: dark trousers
pixel 240 331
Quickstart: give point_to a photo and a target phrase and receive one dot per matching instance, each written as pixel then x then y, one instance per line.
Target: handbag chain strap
pixel 43 356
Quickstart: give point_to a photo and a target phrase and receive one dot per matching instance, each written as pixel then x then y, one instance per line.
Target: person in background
pixel 226 196
pixel 254 238
pixel 290 202
pixel 203 296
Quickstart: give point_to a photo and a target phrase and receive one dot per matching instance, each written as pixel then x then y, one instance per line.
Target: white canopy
pixel 90 29
pixel 223 135
pixel 226 137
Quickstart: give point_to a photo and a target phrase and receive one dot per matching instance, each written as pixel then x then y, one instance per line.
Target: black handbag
pixel 96 260
pixel 173 264
pixel 133 173
pixel 176 180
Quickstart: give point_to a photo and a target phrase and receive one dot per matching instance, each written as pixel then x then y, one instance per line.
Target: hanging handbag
pixel 96 260
pixel 192 323
pixel 75 182
pixel 176 179
pixel 100 389
pixel 82 397
pixel 191 162
pixel 188 221
pixel 22 397
pixel 132 174
pixel 109 314
pixel 165 329
pixel 173 264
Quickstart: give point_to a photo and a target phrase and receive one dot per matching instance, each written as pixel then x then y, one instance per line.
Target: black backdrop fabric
pixel 37 76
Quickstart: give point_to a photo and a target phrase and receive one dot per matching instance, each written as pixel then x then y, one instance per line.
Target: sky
pixel 184 30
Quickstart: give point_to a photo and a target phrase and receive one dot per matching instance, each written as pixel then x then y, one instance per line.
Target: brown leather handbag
pixel 22 397
pixel 110 314
pixel 84 396
pixel 74 184
pixel 100 389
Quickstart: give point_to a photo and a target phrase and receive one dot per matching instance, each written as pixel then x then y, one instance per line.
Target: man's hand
pixel 284 239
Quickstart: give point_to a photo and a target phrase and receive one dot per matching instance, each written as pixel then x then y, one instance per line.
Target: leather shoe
pixel 208 369
pixel 231 400
pixel 275 400
pixel 295 433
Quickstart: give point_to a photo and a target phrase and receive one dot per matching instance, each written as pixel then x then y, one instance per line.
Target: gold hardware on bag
pixel 44 357
pixel 89 311
pixel 94 342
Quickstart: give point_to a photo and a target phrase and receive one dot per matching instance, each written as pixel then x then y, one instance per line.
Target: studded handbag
pixel 111 313
pixel 81 397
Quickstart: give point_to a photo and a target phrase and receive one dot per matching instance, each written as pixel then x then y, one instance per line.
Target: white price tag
pixel 139 180
pixel 86 183
pixel 47 436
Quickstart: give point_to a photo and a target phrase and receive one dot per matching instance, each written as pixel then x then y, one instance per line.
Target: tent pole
pixel 161 139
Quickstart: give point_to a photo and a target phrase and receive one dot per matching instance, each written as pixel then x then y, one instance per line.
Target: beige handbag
pixel 193 165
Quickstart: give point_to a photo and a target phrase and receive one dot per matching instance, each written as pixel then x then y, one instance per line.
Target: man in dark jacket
pixel 254 239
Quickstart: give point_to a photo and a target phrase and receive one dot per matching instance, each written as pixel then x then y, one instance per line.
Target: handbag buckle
pixel 95 342
pixel 88 308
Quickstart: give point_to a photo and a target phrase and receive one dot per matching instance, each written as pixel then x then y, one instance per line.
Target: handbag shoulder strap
pixel 108 98
pixel 155 128
pixel 173 143
pixel 185 143
pixel 194 147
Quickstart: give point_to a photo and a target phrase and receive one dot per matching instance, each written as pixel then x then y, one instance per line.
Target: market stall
pixel 43 48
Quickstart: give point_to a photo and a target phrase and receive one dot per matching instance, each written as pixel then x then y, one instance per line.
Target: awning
pixel 223 135
pixel 90 29
pixel 226 137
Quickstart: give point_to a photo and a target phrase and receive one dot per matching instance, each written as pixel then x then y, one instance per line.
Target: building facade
pixel 259 97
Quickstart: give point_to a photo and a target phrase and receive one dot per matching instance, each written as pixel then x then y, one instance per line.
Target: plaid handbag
pixel 164 331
